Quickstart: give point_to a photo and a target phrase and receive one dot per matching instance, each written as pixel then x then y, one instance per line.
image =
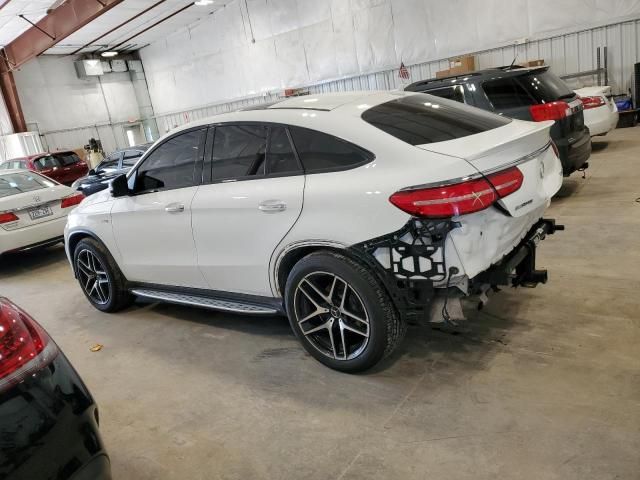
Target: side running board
pixel 224 305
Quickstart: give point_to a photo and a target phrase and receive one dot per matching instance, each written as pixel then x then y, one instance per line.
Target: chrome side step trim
pixel 204 302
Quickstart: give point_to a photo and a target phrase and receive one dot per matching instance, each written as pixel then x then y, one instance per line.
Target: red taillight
pixel 7 217
pixel 459 198
pixel 25 347
pixel 72 200
pixel 549 111
pixel 592 102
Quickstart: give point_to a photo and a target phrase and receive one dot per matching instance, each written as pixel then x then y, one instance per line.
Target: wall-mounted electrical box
pixel 88 68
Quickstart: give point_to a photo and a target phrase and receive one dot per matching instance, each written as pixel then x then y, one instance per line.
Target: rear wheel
pixel 100 278
pixel 341 313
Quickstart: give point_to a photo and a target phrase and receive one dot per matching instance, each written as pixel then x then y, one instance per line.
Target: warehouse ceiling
pixel 178 14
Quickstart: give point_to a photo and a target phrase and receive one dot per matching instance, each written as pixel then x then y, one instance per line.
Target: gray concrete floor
pixel 545 386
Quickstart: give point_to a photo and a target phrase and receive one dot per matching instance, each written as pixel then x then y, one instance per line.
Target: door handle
pixel 272 206
pixel 174 208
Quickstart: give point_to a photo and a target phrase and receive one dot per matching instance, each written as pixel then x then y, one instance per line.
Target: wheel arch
pixel 292 254
pixel 73 240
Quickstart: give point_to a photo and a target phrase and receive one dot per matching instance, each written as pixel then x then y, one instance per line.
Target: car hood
pixel 99 197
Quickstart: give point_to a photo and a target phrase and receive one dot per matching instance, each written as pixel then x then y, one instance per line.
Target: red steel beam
pixel 10 95
pixel 58 24
pixel 61 22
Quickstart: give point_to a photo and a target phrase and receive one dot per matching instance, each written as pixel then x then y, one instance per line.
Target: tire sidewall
pixel 327 262
pixel 89 245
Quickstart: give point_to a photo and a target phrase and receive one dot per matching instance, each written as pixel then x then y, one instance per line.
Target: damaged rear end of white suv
pixel 473 186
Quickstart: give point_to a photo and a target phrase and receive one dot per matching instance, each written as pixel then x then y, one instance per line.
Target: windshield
pixel 420 118
pixel 21 182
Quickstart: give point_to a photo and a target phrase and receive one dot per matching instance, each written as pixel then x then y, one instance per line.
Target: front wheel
pixel 341 313
pixel 99 277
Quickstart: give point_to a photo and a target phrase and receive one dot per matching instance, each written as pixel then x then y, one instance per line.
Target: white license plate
pixel 40 212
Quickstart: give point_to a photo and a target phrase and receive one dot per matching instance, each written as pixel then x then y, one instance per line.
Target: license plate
pixel 40 212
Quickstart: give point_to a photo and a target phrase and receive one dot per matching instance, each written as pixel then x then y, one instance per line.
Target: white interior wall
pixel 306 42
pixel 59 103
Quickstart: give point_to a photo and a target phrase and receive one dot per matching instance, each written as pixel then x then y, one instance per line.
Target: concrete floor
pixel 546 385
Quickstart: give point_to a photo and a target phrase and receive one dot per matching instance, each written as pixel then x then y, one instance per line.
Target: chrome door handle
pixel 174 208
pixel 272 206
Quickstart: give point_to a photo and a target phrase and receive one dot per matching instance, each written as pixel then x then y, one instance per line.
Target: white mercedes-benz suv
pixel 350 213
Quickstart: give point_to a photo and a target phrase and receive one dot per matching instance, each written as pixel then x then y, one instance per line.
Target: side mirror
pixel 119 186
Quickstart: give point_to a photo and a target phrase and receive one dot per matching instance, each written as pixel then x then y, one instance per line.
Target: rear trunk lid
pixel 31 203
pixel 522 144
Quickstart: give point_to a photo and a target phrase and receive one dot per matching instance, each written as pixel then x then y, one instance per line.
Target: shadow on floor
pixel 20 263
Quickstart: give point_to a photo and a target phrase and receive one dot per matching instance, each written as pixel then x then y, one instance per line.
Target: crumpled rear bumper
pixel 518 268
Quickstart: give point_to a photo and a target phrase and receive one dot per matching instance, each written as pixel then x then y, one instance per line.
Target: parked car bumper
pixel 41 234
pixel 50 428
pixel 575 152
pixel 600 120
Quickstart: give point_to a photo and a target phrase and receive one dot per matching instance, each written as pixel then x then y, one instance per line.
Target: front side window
pixel 320 152
pixel 171 165
pixel 420 119
pixel 14 183
pixel 239 151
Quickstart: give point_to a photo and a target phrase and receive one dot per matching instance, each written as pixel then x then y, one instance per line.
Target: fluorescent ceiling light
pixel 203 3
pixel 109 54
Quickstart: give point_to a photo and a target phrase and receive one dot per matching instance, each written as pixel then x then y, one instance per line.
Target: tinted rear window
pixel 528 89
pixel 14 183
pixel 420 119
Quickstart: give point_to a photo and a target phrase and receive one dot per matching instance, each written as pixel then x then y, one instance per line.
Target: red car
pixel 63 167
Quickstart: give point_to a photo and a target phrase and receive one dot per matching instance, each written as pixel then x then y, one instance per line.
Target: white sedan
pixel 351 213
pixel 600 111
pixel 33 210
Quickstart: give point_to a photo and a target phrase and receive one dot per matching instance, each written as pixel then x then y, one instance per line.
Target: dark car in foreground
pixel 115 164
pixel 48 418
pixel 64 167
pixel 533 94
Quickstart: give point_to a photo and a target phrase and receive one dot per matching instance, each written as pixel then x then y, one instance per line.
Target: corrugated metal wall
pixel 568 53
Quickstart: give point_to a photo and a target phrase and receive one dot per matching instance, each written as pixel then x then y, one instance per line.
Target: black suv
pixel 526 94
pixel 115 164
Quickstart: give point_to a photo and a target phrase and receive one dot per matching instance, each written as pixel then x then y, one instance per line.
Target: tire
pixel 99 277
pixel 323 286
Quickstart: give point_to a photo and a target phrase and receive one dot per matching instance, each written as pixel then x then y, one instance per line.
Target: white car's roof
pixel 345 104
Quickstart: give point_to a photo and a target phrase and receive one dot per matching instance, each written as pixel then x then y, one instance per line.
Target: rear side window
pixel 68 158
pixel 239 151
pixel 14 183
pixel 421 119
pixel 172 164
pixel 320 152
pixel 46 162
pixel 455 92
pixel 506 93
pixel 280 156
pixel 527 89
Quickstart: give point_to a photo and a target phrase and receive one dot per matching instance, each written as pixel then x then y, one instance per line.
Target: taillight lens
pixel 72 200
pixel 549 111
pixel 25 347
pixel 7 217
pixel 592 102
pixel 460 198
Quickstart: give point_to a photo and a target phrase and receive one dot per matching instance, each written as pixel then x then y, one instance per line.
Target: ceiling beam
pixel 153 25
pixel 118 26
pixel 58 24
pixel 61 22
